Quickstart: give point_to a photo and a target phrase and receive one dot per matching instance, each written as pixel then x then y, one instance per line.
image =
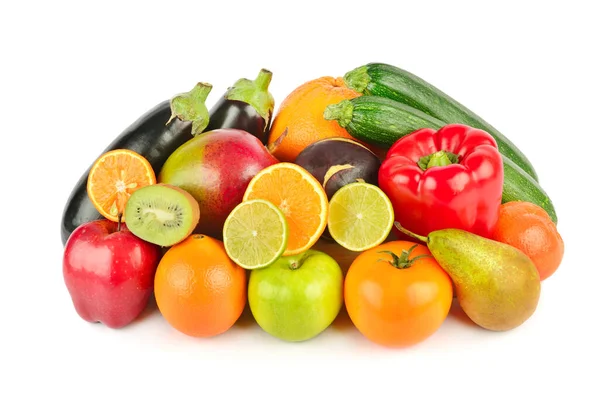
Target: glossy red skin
pixel 108 273
pixel 216 167
pixel 464 196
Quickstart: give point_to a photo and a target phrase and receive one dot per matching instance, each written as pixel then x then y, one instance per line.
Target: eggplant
pixel 155 135
pixel 247 105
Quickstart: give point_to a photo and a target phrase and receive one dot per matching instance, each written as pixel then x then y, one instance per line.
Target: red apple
pixel 109 272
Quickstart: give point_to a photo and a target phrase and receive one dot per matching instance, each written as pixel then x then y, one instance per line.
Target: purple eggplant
pixel 247 105
pixel 155 135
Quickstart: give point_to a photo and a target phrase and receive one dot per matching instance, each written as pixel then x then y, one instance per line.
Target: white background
pixel 75 74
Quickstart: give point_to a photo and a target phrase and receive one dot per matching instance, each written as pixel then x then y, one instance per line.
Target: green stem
pixel 403 260
pixel 358 79
pixel 438 159
pixel 191 107
pixel 342 112
pixel 409 233
pixel 256 93
pixel 298 263
pixel 263 80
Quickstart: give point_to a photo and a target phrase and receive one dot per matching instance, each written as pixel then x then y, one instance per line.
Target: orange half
pixel 299 196
pixel 114 176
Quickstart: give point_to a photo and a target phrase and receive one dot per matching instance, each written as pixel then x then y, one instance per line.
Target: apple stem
pixel 119 222
pixel 297 264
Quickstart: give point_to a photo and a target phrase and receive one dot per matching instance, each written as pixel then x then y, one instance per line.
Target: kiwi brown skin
pixel 195 215
pixel 336 162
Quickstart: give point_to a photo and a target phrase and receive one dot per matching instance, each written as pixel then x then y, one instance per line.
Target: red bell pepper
pixel 451 178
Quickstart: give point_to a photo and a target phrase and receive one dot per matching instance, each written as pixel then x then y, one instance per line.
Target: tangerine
pixel 113 177
pixel 198 289
pixel 528 227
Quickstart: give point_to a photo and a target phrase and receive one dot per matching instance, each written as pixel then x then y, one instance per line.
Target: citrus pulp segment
pixel 360 216
pixel 255 234
pixel 299 196
pixel 113 177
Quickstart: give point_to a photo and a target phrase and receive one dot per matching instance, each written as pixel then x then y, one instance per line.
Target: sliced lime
pixel 255 234
pixel 360 216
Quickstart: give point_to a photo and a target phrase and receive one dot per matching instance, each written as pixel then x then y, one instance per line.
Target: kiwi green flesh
pixel 159 215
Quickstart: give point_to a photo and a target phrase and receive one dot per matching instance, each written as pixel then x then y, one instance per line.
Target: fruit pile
pixel 213 210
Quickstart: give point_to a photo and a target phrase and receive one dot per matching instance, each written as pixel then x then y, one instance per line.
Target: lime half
pixel 255 234
pixel 360 216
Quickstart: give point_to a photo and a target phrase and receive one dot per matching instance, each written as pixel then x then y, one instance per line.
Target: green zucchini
pixel 378 120
pixel 378 79
pixel 381 121
pixel 519 186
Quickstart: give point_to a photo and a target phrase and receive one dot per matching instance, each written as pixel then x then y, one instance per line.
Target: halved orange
pixel 299 196
pixel 113 177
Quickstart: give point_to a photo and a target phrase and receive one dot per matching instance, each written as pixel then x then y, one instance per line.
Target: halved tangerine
pixel 299 196
pixel 114 176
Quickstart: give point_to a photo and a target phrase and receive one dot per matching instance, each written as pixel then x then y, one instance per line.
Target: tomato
pixel 396 294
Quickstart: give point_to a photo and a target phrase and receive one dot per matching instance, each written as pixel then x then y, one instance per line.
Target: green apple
pixel 297 297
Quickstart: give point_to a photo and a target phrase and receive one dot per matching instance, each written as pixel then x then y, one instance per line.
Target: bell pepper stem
pixel 191 107
pixel 438 159
pixel 402 229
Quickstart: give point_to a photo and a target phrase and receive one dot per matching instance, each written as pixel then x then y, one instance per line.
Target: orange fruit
pixel 300 197
pixel 114 176
pixel 300 116
pixel 528 227
pixel 198 289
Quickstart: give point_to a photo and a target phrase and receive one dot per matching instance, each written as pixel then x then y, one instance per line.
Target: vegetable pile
pixel 375 192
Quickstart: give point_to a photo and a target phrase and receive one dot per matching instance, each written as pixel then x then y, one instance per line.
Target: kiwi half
pixel 162 214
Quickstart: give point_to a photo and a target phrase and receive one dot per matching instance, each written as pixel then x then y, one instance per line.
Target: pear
pixel 497 285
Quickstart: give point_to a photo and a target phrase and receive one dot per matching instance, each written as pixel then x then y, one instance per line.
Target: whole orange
pixel 300 116
pixel 396 294
pixel 528 227
pixel 198 289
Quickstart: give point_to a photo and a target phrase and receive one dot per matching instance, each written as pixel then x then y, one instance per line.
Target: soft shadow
pixel 457 313
pixel 150 310
pixel 246 320
pixel 343 256
pixel 343 321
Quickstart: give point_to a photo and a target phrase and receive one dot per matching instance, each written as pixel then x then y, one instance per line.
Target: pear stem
pixel 409 233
